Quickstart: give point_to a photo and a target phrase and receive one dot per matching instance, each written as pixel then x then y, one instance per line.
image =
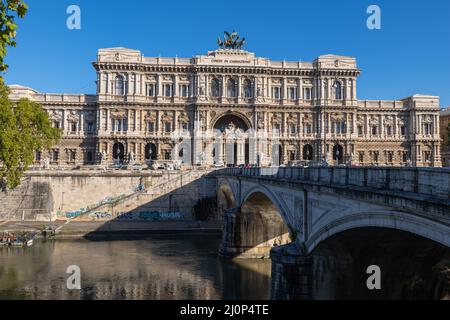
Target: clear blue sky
pixel 410 54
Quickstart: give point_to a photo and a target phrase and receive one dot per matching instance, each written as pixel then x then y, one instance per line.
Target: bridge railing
pixel 425 181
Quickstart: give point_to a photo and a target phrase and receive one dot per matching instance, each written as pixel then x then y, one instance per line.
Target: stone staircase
pixel 136 199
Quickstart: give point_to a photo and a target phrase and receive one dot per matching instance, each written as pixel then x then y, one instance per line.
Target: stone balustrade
pixel 433 182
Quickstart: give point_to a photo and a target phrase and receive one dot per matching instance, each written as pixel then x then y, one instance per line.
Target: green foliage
pixel 24 127
pixel 10 10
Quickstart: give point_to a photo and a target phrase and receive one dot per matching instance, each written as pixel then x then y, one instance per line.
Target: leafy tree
pixel 25 125
pixel 10 10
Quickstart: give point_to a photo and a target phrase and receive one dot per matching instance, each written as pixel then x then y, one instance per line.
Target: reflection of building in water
pixel 120 270
pixel 266 111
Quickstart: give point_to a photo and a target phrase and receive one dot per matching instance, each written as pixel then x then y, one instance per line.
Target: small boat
pixel 10 239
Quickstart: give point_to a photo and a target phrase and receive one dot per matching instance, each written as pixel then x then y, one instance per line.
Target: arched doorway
pixel 257 228
pixel 150 151
pixel 308 152
pixel 118 152
pixel 233 145
pixel 338 153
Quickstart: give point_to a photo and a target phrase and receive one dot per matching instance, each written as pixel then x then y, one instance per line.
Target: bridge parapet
pixel 433 182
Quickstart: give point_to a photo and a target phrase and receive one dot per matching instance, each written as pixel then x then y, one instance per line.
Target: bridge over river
pixel 288 212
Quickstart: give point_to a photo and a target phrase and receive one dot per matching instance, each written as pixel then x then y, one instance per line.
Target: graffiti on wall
pixel 77 213
pixel 152 215
pixel 100 215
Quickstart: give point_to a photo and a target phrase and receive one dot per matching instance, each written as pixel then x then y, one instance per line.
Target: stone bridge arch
pixel 226 199
pixel 256 224
pixel 387 219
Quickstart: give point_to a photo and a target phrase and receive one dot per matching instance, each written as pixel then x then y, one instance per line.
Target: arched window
pixel 308 152
pixel 215 89
pixel 119 86
pixel 231 88
pixel 248 89
pixel 337 90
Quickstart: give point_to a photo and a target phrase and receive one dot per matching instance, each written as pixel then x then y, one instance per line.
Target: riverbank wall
pixel 106 195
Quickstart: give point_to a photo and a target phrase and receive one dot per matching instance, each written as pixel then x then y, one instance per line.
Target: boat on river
pixel 9 239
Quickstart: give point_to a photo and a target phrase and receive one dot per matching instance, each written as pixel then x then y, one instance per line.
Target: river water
pixel 158 267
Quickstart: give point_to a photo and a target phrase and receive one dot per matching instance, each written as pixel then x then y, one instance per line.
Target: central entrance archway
pixel 232 148
pixel 118 152
pixel 150 151
pixel 338 153
pixel 308 152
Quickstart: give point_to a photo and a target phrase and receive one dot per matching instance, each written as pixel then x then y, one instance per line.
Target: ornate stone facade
pixel 445 134
pixel 231 107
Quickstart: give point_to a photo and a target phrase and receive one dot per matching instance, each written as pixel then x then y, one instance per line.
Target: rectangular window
pixel 361 157
pixel 276 93
pixel 427 129
pixel 72 155
pixel 293 128
pixel 403 130
pixel 183 90
pixel 307 93
pixel 55 155
pixel 73 127
pixel 168 127
pixel 374 130
pixel 276 127
pixel 125 124
pixel 308 129
pixel 56 124
pixel 37 156
pixel 293 93
pixel 151 92
pixel 168 90
pixel 375 157
pixel 360 131
pixel 404 157
pixel 389 131
pixel 390 156
pixel 151 127
pixel 339 127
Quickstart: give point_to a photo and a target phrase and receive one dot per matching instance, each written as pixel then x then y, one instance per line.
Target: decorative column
pixel 219 150
pixel 240 151
pixel 159 86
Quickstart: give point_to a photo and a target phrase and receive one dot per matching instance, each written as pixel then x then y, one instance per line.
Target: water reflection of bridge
pixel 156 268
